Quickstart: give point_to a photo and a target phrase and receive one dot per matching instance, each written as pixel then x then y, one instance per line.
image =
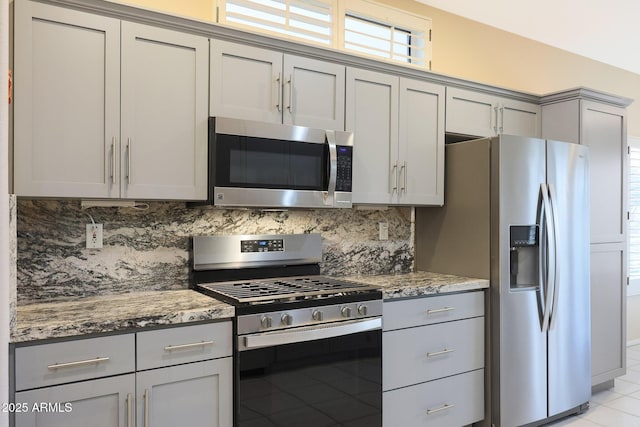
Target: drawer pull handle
pixel 78 363
pixel 440 310
pixel 442 408
pixel 185 346
pixel 439 353
pixel 129 410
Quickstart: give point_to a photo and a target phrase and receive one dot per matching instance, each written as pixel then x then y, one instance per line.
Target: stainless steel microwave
pixel 267 165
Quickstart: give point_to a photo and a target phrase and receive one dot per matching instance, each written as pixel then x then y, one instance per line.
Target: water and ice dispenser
pixel 524 256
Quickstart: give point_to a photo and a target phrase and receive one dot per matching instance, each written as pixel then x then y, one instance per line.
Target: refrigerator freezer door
pixel 519 345
pixel 569 340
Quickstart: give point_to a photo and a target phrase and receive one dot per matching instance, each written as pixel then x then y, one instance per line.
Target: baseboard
pixel 633 342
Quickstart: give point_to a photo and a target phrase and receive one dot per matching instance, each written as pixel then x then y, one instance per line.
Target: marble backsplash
pixel 149 249
pixel 12 261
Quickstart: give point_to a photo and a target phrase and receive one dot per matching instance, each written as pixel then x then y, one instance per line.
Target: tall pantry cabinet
pixel 599 121
pixel 107 108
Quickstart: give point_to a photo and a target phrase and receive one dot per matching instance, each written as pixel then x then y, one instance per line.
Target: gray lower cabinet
pixel 154 378
pixel 433 361
pixel 107 402
pixel 196 393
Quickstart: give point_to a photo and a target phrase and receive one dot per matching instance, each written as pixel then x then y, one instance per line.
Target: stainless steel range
pixel 308 347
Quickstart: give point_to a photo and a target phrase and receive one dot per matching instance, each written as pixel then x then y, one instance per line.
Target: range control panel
pixel 265 245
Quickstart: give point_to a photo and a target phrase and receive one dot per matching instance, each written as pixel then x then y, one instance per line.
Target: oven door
pixel 328 376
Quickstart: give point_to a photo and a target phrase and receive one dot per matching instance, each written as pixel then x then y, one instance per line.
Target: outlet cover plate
pixel 94 236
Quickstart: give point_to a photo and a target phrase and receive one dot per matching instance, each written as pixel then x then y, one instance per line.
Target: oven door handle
pixel 312 333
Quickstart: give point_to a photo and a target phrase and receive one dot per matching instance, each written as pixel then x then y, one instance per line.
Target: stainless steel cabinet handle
pixel 146 408
pixel 393 179
pixel 78 363
pixel 128 409
pixel 403 172
pixel 185 346
pixel 290 83
pixel 440 310
pixel 439 353
pixel 129 160
pixel 113 160
pixel 279 90
pixel 442 408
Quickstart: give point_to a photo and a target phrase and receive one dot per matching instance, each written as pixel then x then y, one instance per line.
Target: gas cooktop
pixel 282 289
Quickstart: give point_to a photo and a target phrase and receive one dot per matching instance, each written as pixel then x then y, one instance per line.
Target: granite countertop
pixel 115 313
pixel 420 283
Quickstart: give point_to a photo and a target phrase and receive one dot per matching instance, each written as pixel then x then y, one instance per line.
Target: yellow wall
pixel 197 9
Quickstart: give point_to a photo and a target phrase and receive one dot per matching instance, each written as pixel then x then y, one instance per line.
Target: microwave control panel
pixel 343 176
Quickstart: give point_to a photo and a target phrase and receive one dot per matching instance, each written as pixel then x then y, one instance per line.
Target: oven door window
pixel 248 162
pixel 329 382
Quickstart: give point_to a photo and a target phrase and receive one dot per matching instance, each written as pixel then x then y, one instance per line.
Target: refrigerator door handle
pixel 542 257
pixel 556 271
pixel 551 255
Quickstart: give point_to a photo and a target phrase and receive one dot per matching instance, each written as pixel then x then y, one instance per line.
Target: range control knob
pixel 287 319
pixel 317 315
pixel 345 311
pixel 266 322
pixel 363 310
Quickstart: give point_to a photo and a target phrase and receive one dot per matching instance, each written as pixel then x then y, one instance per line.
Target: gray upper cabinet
pixel 481 114
pixel 260 84
pixel 399 139
pixel 163 149
pixel 67 101
pixel 105 110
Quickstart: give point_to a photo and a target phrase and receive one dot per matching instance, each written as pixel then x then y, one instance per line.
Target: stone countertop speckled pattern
pixel 111 313
pixel 419 284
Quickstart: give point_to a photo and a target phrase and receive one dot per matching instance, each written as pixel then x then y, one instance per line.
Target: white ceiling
pixel 604 30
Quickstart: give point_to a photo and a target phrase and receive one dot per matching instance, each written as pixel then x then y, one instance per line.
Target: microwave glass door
pixel 250 162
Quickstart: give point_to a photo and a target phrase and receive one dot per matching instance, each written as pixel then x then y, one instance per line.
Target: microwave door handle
pixel 333 168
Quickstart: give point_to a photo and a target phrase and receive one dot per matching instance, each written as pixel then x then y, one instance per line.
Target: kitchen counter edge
pixel 114 313
pixel 420 284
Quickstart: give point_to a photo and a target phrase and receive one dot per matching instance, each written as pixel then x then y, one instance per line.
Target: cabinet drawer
pixel 166 347
pixel 415 355
pixel 449 402
pixel 63 362
pixel 428 310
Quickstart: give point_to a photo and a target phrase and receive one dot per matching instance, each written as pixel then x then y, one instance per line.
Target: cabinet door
pixel 106 402
pixel 421 143
pixel 197 394
pixel 519 118
pixel 313 93
pixel 164 114
pixel 604 132
pixel 608 311
pixel 246 82
pixel 67 102
pixel 372 114
pixel 471 113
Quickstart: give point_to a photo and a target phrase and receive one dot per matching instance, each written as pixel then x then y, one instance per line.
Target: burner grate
pixel 282 288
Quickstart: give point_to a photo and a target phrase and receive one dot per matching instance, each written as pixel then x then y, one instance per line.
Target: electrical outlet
pixel 94 236
pixel 383 231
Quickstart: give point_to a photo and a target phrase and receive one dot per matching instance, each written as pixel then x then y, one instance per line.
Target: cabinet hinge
pixel 430 35
pixel 429 65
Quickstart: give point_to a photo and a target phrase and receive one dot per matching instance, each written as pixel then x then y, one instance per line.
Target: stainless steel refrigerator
pixel 517 212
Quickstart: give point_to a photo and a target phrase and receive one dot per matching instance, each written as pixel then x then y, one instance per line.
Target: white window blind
pixel 310 20
pixel 634 216
pixel 361 26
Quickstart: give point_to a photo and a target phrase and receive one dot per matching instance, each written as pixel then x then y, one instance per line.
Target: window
pixel 634 216
pixel 361 26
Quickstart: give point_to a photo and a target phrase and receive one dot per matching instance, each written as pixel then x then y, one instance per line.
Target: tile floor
pixel 616 407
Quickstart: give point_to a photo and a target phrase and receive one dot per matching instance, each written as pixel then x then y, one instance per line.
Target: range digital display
pixel 269 245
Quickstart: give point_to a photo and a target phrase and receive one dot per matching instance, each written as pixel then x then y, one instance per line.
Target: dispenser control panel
pixel 524 235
